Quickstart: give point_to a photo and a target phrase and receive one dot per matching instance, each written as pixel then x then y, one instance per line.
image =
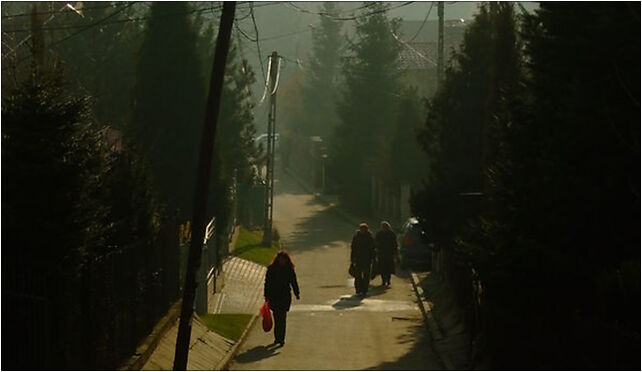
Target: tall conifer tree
pixel 367 107
pixel 323 75
pixel 169 104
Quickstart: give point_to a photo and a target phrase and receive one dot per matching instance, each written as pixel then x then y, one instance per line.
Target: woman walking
pixel 279 278
pixel 386 243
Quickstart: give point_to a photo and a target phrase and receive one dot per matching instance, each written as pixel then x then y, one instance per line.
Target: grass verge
pixel 227 325
pixel 249 247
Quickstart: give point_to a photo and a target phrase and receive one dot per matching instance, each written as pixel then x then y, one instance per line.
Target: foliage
pixel 169 103
pixel 237 154
pixel 52 169
pixel 405 152
pixel 551 232
pixel 241 157
pixel 100 61
pixel 322 79
pixel 249 246
pixel 87 197
pixel 360 146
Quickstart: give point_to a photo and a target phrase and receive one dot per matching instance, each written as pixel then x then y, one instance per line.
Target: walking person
pixel 280 277
pixel 386 243
pixel 361 256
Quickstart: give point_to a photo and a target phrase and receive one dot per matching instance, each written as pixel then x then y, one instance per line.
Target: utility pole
pixel 208 138
pixel 271 132
pixel 37 43
pixel 440 43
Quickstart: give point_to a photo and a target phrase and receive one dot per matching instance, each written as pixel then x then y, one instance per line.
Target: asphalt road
pixel 330 328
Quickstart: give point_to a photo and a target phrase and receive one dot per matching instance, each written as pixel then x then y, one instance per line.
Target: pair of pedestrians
pixel 367 251
pixel 281 281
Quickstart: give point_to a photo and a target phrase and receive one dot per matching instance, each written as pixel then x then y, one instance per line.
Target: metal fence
pixel 92 315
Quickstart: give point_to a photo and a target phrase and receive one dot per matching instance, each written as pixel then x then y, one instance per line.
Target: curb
pixel 145 349
pixel 434 332
pixel 227 359
pixel 432 327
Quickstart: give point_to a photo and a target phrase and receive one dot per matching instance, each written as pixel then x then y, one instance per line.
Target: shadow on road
pixel 257 353
pixel 318 230
pixel 347 302
pixel 376 290
pixel 283 184
pixel 415 359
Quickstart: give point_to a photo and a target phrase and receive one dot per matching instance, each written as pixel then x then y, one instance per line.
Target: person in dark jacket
pixel 279 278
pixel 386 242
pixel 361 256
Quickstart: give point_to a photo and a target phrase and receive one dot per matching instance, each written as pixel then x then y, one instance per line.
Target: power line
pixel 126 20
pixel 136 19
pixel 355 73
pixel 337 14
pixel 95 23
pixel 412 49
pixel 352 18
pixel 278 74
pixel 432 3
pixel 80 31
pixel 258 46
pixel 267 81
pixel 241 32
pixel 63 10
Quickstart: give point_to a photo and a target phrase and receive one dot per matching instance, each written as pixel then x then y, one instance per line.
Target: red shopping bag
pixel 267 317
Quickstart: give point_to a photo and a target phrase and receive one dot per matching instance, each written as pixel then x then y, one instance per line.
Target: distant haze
pixel 287 29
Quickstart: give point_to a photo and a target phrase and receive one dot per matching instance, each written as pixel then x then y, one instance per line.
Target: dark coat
pixel 386 242
pixel 363 249
pixel 276 290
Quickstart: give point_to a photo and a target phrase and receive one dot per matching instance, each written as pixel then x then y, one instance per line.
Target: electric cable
pixel 353 18
pixel 258 45
pixel 423 23
pixel 278 75
pixel 267 81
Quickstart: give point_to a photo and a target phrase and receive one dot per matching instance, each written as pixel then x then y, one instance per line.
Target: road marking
pixel 354 303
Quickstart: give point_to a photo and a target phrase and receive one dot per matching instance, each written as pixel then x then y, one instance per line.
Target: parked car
pixel 415 248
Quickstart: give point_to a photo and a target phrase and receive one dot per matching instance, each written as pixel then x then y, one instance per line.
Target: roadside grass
pixel 227 325
pixel 249 247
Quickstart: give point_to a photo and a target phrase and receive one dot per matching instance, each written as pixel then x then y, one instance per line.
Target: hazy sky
pixel 452 10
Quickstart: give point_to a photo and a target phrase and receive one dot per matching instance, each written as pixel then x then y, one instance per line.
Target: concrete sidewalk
pixel 445 321
pixel 242 294
pixel 243 290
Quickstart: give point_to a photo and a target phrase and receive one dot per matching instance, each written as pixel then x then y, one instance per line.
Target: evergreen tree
pixel 54 172
pixel 360 144
pixel 551 203
pixel 100 61
pixel 169 102
pixel 240 155
pixel 452 136
pixel 323 74
pixel 406 158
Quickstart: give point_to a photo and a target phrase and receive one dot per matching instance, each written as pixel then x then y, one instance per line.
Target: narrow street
pixel 329 328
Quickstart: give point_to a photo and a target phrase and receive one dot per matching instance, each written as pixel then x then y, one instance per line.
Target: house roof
pixel 420 52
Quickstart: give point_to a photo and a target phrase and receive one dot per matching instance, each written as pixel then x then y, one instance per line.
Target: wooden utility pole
pixel 208 138
pixel 37 43
pixel 271 132
pixel 440 43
